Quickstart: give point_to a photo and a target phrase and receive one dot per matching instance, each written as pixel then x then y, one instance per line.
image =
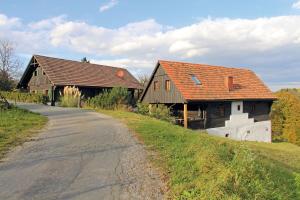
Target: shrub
pixel 70 97
pixel 158 111
pixel 285 117
pixel 143 108
pixel 25 97
pixel 110 99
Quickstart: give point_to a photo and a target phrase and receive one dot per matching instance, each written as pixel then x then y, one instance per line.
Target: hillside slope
pixel 199 166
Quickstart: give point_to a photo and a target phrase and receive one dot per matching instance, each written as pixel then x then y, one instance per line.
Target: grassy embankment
pixel 17 125
pixel 199 166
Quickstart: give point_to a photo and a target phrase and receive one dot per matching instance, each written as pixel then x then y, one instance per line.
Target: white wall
pixel 241 127
pixel 234 107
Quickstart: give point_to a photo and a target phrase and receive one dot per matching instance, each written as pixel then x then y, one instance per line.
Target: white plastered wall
pixel 241 127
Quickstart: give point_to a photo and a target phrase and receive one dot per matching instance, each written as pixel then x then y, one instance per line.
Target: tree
pixel 286 116
pixel 84 60
pixel 143 79
pixel 9 65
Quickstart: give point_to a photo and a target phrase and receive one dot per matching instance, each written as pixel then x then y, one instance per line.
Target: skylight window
pixel 195 79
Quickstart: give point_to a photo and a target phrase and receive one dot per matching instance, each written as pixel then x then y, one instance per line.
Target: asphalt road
pixel 79 155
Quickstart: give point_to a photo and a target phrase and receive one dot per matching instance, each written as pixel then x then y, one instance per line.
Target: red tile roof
pixel 246 85
pixel 68 72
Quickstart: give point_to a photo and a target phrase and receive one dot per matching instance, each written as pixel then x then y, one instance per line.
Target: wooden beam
pixel 185 115
pixel 150 108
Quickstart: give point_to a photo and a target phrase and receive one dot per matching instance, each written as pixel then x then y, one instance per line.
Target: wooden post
pixel 53 96
pixel 150 108
pixel 185 115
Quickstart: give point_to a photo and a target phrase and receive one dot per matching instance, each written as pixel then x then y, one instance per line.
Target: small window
pixel 167 85
pixel 35 73
pixel 239 107
pixel 155 85
pixel 196 80
pixel 44 73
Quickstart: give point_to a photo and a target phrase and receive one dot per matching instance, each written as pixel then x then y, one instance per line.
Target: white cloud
pixel 108 5
pixel 271 45
pixel 296 5
pixel 48 23
pixel 6 22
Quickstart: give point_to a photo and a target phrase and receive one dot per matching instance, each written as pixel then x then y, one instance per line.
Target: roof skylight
pixel 195 79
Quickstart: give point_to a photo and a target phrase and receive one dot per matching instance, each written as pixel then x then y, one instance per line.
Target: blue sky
pixel 261 35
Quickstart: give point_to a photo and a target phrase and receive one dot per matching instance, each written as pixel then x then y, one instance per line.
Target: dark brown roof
pixel 67 72
pixel 246 85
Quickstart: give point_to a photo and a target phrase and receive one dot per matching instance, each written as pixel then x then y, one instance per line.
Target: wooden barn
pixel 49 76
pixel 230 102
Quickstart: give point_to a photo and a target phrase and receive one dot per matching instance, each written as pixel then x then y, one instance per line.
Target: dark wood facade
pixel 39 82
pixel 203 115
pixel 159 93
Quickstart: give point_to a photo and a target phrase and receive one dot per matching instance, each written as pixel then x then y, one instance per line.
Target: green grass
pixel 199 166
pixel 17 125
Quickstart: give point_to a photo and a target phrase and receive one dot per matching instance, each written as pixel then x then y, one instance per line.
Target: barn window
pixel 195 79
pixel 155 85
pixel 167 85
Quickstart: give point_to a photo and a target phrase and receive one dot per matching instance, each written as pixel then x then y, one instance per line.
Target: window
pixel 44 73
pixel 155 85
pixel 35 73
pixel 239 107
pixel 46 92
pixel 195 79
pixel 201 113
pixel 167 85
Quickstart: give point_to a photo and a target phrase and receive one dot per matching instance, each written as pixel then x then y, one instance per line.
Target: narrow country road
pixel 79 155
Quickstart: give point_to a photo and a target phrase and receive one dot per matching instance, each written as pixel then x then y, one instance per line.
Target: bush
pixel 158 111
pixel 285 117
pixel 70 97
pixel 25 97
pixel 143 108
pixel 110 99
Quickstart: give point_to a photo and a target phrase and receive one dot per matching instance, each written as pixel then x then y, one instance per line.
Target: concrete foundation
pixel 241 127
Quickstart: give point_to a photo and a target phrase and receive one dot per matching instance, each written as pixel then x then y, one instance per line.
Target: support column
pixel 53 95
pixel 150 108
pixel 185 115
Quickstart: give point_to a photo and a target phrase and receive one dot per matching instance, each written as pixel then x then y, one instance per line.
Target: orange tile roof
pixel 68 72
pixel 246 85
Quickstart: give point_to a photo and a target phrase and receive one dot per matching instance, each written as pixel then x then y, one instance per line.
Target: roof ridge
pixel 68 60
pixel 204 65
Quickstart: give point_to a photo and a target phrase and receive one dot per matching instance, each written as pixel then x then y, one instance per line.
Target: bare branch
pixel 9 64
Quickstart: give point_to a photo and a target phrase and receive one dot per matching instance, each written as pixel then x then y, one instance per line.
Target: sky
pixel 263 36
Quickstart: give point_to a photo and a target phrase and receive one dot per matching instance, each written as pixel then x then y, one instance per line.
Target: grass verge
pixel 16 125
pixel 200 166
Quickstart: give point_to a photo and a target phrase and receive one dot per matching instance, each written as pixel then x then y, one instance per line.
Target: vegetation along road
pixel 79 155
